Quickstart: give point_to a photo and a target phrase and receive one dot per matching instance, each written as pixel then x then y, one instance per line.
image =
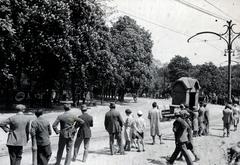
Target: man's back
pixel 84 129
pixel 227 115
pixel 113 121
pixel 41 129
pixel 19 129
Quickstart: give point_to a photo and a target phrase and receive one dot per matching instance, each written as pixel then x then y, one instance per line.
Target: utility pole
pixel 229 40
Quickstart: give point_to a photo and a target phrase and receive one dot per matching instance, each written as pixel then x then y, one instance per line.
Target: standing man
pixel 206 119
pixel 227 119
pixel 201 112
pixel 113 124
pixel 40 131
pixel 195 121
pixel 235 116
pixel 67 132
pixel 181 138
pixel 18 129
pixel 155 116
pixel 84 133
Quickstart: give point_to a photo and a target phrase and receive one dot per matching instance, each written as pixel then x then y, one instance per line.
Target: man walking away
pixel 227 119
pixel 67 132
pixel 155 116
pixel 180 132
pixel 17 128
pixel 113 124
pixel 84 133
pixel 40 131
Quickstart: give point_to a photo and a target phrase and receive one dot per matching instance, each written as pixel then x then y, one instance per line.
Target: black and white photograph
pixel 119 82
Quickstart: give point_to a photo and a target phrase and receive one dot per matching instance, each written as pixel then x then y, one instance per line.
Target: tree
pixel 131 45
pixel 179 67
pixel 210 78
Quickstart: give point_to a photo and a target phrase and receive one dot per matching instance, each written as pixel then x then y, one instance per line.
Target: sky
pixel 172 22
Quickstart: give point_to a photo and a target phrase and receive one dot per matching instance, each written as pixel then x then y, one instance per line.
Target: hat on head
pixel 112 105
pixel 128 111
pixel 139 113
pixel 20 107
pixel 84 107
pixel 67 106
pixel 182 106
pixel 184 113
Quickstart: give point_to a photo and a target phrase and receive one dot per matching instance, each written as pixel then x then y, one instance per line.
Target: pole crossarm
pixel 235 37
pixel 208 32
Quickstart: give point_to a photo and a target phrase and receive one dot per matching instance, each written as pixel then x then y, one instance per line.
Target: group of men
pixel 188 124
pixel 133 128
pixel 20 126
pixel 230 117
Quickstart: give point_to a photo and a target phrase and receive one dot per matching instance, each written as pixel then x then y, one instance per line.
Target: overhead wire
pixel 167 28
pixel 219 9
pixel 195 7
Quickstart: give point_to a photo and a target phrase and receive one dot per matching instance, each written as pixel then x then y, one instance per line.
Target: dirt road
pixel 211 149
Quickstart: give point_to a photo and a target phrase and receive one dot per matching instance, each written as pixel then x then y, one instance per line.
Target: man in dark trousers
pixel 67 132
pixel 18 128
pixel 40 131
pixel 227 119
pixel 113 124
pixel 181 138
pixel 84 133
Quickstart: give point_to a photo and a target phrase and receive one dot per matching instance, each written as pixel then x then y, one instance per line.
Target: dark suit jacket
pixel 113 121
pixel 227 116
pixel 67 121
pixel 84 129
pixel 180 130
pixel 18 128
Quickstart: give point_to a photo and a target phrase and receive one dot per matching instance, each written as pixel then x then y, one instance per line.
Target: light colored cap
pixel 139 113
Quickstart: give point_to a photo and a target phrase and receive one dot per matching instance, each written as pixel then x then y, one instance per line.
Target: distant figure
pixel 181 138
pixel 206 119
pixel 67 132
pixel 235 116
pixel 195 121
pixel 134 97
pixel 113 124
pixel 139 126
pixel 84 133
pixel 128 130
pixel 17 127
pixel 40 131
pixel 201 125
pixel 155 116
pixel 227 119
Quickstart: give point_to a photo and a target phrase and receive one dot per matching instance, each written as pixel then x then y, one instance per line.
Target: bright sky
pixel 157 16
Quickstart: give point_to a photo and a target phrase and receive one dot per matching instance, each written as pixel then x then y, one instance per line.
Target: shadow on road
pixel 105 151
pixel 159 162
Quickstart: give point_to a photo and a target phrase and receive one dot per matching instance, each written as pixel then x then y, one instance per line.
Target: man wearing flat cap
pixel 67 132
pixel 18 129
pixel 113 124
pixel 84 133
